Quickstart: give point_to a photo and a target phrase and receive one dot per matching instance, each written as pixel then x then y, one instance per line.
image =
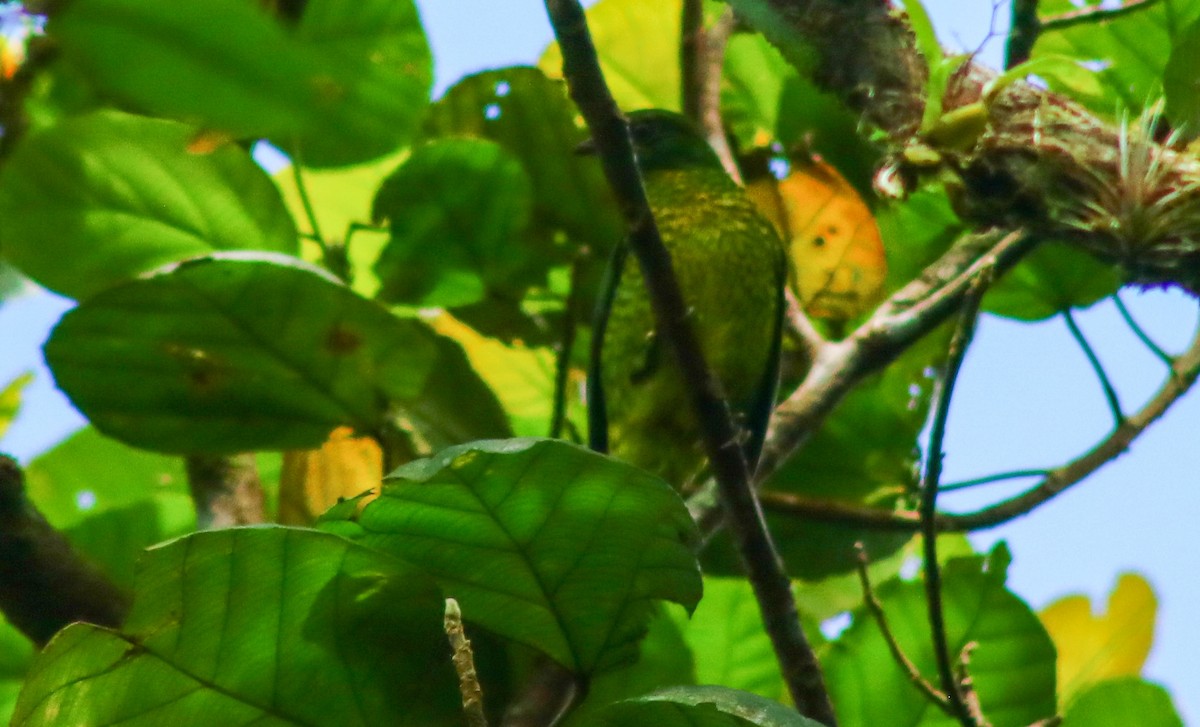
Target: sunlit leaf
pixel 10 400
pixel 233 355
pixel 1129 52
pixel 1051 279
pixel 664 660
pixel 1012 666
pixel 101 198
pixel 543 542
pixel 701 706
pixel 638 45
pixel 1122 702
pixel 266 625
pixel 1093 648
pixel 522 377
pixel 313 480
pixel 837 254
pixel 730 645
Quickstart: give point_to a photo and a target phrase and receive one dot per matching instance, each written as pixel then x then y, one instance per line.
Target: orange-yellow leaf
pixel 312 480
pixel 1093 647
pixel 833 241
pixel 12 55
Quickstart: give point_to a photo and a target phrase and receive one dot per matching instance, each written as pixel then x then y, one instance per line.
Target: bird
pixel 732 268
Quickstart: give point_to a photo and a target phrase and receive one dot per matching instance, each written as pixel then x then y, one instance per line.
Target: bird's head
pixel 666 140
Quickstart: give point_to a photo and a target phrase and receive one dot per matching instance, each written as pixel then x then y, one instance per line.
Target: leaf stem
pixel 562 364
pixel 875 606
pixel 1140 332
pixel 1110 393
pixel 989 479
pixel 942 394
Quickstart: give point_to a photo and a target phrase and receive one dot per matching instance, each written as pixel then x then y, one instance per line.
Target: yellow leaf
pixel 313 480
pixel 523 378
pixel 834 243
pixel 10 400
pixel 1092 647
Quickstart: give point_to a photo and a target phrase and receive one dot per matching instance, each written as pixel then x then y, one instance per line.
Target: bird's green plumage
pixel 731 268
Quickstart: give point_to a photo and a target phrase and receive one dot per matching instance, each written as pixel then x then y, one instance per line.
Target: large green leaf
pixel 543 542
pixel 1179 80
pixel 266 625
pixel 348 84
pixel 459 210
pixel 703 706
pixel 100 198
pixel 531 117
pixel 664 660
pixel 731 646
pixel 229 354
pixel 1130 52
pixel 1051 279
pixel 1012 667
pixel 1120 702
pixel 376 72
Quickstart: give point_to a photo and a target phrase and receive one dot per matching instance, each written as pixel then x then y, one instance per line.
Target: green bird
pixel 731 266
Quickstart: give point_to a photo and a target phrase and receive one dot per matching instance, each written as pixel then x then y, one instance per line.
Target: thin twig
pixel 765 571
pixel 464 665
pixel 691 64
pixel 562 363
pixel 1184 371
pixel 962 672
pixel 874 605
pixel 990 479
pixel 1025 29
pixel 943 392
pixel 305 202
pixel 1140 332
pixel 1110 393
pixel 1093 14
pixel 702 83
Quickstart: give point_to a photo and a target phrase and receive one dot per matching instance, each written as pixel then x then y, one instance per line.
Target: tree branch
pixel 1093 14
pixel 226 490
pixel 702 54
pixel 1184 371
pixel 1025 29
pixel 45 583
pixel 764 568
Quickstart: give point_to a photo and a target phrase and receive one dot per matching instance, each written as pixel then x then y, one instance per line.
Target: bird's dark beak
pixel 587 147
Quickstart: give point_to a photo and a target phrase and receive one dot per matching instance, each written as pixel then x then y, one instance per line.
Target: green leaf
pixel 1179 80
pixel 347 85
pixel 916 232
pixel 88 473
pixel 1131 52
pixel 1012 667
pixel 1120 702
pixel 455 406
pixel 703 706
pixel 376 72
pixel 228 354
pixel 101 198
pixel 731 646
pixel 542 542
pixel 458 211
pixel 12 282
pixel 1051 279
pixel 663 660
pixel 638 45
pixel 267 625
pixel 10 400
pixel 764 98
pixel 531 117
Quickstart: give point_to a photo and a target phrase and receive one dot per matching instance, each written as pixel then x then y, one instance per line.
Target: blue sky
pixel 1026 397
